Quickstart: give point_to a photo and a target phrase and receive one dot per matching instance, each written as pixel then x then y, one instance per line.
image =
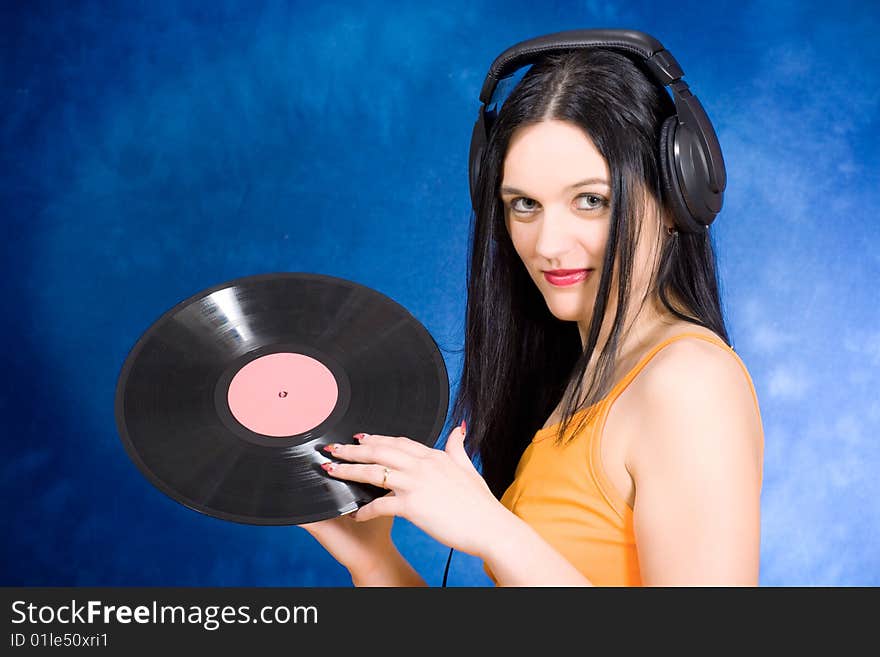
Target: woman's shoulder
pixel 694 389
pixel 680 349
pixel 694 357
pixel 682 332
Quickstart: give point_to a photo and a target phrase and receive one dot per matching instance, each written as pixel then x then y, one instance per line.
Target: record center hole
pixel 307 385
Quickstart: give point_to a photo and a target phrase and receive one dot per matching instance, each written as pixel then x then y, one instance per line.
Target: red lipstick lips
pixel 566 277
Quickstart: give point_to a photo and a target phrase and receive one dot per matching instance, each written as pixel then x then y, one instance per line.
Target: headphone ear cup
pixel 664 158
pixel 669 183
pixel 475 155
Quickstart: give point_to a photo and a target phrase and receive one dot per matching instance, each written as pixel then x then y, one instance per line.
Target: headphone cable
pixel 446 572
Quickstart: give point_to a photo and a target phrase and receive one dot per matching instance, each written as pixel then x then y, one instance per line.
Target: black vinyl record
pixel 225 402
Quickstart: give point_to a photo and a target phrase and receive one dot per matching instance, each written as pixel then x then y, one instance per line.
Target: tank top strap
pixel 621 385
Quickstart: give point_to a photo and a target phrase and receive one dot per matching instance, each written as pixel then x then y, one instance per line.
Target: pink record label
pixel 282 394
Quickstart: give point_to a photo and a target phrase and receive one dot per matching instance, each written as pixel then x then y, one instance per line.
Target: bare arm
pixel 697 466
pixel 394 570
pixel 519 556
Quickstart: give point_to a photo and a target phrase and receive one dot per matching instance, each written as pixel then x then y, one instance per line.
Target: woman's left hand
pixel 439 491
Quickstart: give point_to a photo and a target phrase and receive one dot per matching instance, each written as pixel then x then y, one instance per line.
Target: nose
pixel 554 239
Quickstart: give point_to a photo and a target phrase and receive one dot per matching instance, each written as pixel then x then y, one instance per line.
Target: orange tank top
pixel 564 494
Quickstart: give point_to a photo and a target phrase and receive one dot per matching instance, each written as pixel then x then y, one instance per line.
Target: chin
pixel 565 312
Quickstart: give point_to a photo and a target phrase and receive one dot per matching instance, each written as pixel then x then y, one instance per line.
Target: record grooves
pixel 225 402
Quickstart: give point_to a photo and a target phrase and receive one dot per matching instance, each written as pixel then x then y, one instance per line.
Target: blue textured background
pixel 151 150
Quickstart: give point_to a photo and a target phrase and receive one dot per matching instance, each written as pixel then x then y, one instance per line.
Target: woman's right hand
pixel 359 546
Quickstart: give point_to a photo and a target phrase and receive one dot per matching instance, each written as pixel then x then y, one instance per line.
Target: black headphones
pixel 691 165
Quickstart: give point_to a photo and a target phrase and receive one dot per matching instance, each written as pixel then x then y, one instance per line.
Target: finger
pixel 372 453
pixel 404 444
pixel 369 474
pixel 455 449
pixel 387 505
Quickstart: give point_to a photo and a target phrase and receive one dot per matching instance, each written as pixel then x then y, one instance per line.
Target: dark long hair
pixel 519 360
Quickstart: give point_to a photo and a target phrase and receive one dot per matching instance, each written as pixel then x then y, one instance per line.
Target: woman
pixel 619 434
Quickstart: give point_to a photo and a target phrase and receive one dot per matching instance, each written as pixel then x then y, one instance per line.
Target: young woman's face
pixel 556 192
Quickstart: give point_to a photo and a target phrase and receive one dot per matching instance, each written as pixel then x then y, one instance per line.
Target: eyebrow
pixel 588 181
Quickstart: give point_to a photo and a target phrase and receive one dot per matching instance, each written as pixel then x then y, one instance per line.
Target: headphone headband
pixel 632 41
pixel 692 167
